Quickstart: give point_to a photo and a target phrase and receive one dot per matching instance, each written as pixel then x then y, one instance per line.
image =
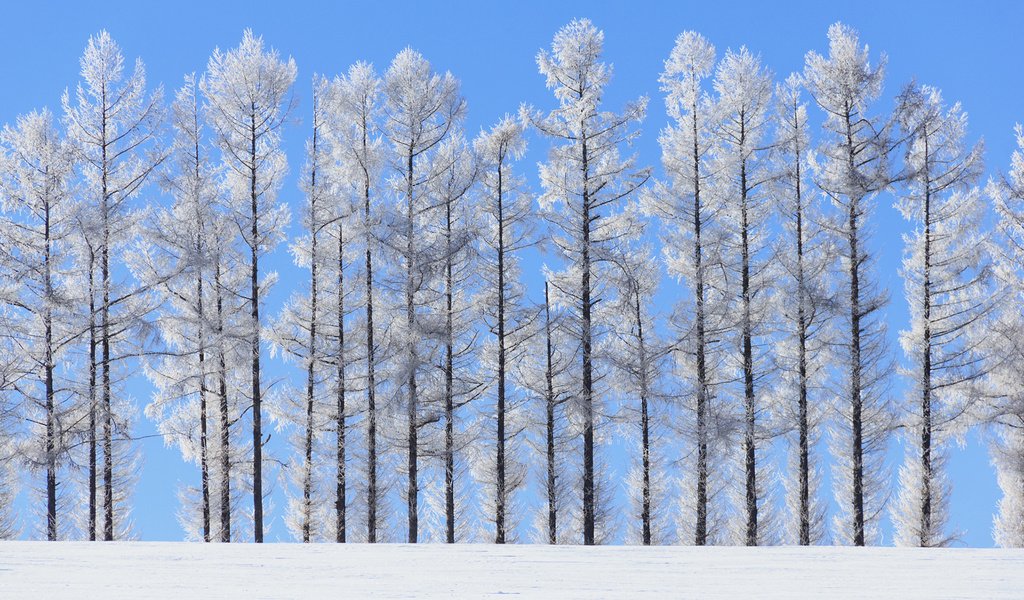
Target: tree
pixel 420 111
pixel 639 356
pixel 693 250
pixel 1001 338
pixel 300 332
pixel 174 262
pixel 113 126
pixel 584 179
pixel 358 150
pixel 37 228
pixel 507 231
pixel 803 305
pixel 744 98
pixel 456 173
pixel 248 100
pixel 946 273
pixel 850 168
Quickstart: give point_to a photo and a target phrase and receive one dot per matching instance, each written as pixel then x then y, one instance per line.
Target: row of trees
pixel 424 371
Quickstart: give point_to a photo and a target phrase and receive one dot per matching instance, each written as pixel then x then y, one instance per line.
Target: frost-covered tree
pixel 506 232
pixel 300 333
pixel 584 180
pixel 456 171
pixel 113 124
pixel 850 167
pixel 1002 343
pixel 37 229
pixel 693 250
pixel 744 90
pixel 946 271
pixel 803 304
pixel 357 148
pixel 639 356
pixel 248 100
pixel 420 111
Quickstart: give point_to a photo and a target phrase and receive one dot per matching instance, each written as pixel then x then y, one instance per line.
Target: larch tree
pixel 113 125
pixel 946 276
pixel 584 179
pixel 694 243
pixel 353 129
pixel 506 231
pixel 248 99
pixel 640 356
pixel 301 332
pixel 850 167
pixel 451 187
pixel 421 110
pixel 174 261
pixel 1002 336
pixel 803 306
pixel 744 93
pixel 37 229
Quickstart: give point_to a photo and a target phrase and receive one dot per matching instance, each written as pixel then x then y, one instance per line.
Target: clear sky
pixel 970 51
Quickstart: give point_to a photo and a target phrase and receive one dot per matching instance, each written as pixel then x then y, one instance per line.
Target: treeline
pixel 431 393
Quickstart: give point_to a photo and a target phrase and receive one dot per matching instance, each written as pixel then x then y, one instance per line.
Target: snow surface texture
pixel 137 570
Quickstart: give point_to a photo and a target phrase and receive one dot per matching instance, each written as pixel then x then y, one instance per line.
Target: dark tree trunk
pixel 500 492
pixel 926 367
pixel 701 529
pixel 51 433
pixel 449 401
pixel 550 406
pixel 645 426
pixel 340 424
pixel 371 386
pixel 588 374
pixel 749 440
pixel 225 422
pixel 412 492
pixel 254 307
pixel 93 473
pixel 856 399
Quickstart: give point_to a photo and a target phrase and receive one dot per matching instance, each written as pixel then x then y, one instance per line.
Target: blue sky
pixel 972 54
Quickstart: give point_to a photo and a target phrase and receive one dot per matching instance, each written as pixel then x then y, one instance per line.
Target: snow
pixel 137 570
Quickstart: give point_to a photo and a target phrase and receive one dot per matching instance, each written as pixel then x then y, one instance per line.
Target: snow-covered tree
pixel 506 232
pixel 584 180
pixel 300 333
pixel 946 271
pixel 1002 343
pixel 693 249
pixel 640 358
pixel 421 109
pixel 113 125
pixel 451 184
pixel 353 131
pixel 850 167
pixel 803 304
pixel 248 100
pixel 744 92
pixel 37 229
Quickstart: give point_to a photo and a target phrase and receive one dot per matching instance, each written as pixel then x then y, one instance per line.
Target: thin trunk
pixel 926 368
pixel 108 425
pixel 802 335
pixel 645 425
pixel 449 409
pixel 254 306
pixel 588 375
pixel 500 492
pixel 203 434
pixel 855 354
pixel 307 476
pixel 749 449
pixel 701 530
pixel 371 387
pixel 51 433
pixel 93 473
pixel 225 439
pixel 339 492
pixel 550 405
pixel 412 492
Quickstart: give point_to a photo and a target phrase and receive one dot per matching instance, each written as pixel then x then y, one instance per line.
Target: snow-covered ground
pixel 112 571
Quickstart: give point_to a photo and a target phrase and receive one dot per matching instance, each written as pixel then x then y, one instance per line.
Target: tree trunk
pixel 254 307
pixel 339 492
pixel 225 423
pixel 449 409
pixel 550 405
pixel 701 529
pixel 500 492
pixel 412 492
pixel 371 386
pixel 645 515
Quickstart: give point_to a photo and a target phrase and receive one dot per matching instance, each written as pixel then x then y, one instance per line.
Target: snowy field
pixel 114 571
